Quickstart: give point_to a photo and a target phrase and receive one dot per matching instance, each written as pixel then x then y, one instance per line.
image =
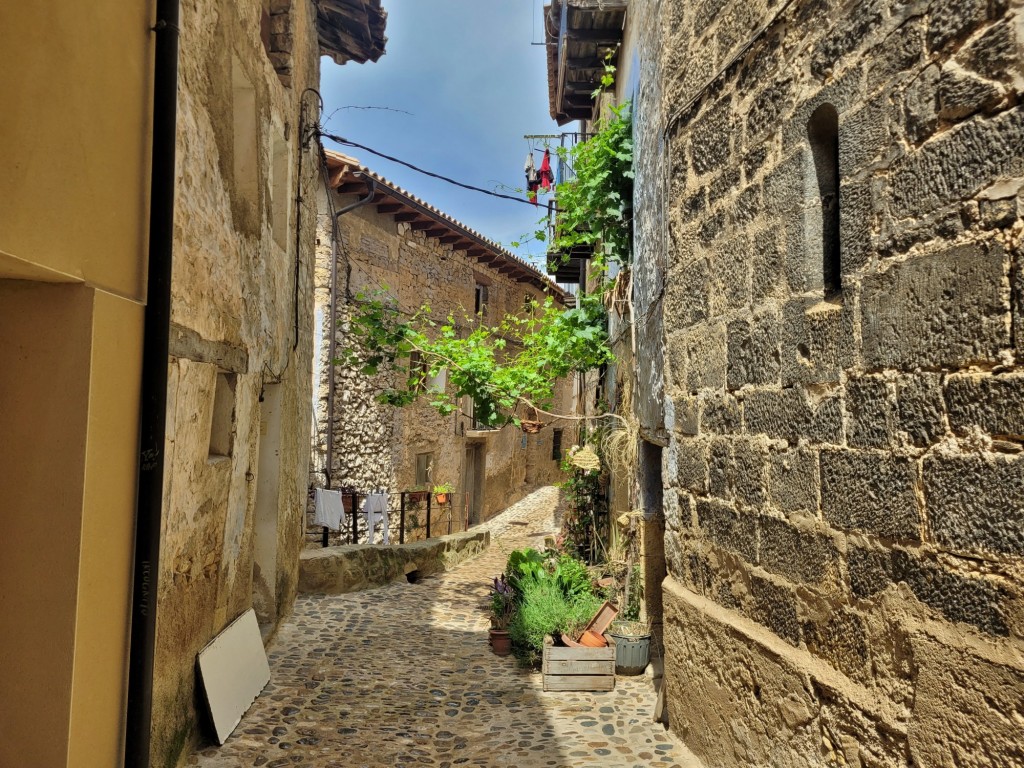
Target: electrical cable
pixel 347 143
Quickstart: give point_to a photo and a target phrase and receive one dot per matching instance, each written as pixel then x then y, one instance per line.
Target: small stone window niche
pixel 480 301
pixel 556 444
pixel 222 423
pixel 277 38
pixel 823 136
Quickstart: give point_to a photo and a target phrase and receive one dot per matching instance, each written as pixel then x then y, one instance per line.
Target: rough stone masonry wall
pixel 233 312
pixel 375 445
pixel 845 483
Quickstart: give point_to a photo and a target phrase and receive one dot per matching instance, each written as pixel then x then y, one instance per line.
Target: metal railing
pixel 411 516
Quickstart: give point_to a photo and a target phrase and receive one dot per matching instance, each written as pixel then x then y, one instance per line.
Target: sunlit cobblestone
pixel 403 676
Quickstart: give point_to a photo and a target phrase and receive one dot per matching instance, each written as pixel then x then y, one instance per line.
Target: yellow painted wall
pixel 74 148
pixel 74 138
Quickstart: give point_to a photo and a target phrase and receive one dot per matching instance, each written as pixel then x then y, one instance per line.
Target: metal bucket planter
pixel 632 649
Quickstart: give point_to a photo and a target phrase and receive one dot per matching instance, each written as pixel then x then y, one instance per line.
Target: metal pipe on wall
pixel 153 412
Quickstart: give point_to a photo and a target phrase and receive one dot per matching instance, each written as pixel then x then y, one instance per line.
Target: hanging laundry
pixel 547 177
pixel 532 179
pixel 330 511
pixel 376 509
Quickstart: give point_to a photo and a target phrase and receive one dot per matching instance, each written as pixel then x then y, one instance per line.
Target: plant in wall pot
pixel 443 491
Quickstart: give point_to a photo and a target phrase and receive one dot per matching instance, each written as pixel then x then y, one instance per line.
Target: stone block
pixel 730 275
pixel 692 465
pixel 767 280
pixel 958 598
pixel 839 636
pixel 950 22
pixel 994 55
pixel 921 105
pixel 753 161
pixel 686 415
pixel 750 473
pixel 753 347
pixel 897 54
pixel 720 414
pixel 873 492
pixel 706 357
pixel 793 481
pixel 959 708
pixel 994 403
pixel 720 468
pixel 799 553
pixel 865 135
pixel 976 503
pixel 998 214
pixel 711 137
pixel 747 206
pixel 856 226
pixel 845 37
pixel 942 310
pixel 920 410
pixel 725 185
pixel 675 360
pixel 775 606
pixel 687 300
pixel 817 341
pixel 765 110
pixel 956 165
pixel 724 527
pixel 788 414
pixel 784 185
pixel 870 570
pixel 870 412
pixel 962 93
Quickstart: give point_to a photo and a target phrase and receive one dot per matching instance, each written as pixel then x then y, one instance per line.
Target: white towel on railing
pixel 376 509
pixel 330 511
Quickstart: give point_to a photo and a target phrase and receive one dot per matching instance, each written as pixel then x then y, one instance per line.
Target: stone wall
pixel 239 391
pixel 375 445
pixel 844 484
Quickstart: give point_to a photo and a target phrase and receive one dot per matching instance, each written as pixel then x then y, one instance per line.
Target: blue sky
pixel 475 86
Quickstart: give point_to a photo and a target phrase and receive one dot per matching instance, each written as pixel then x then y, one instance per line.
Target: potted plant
pixel 442 491
pixel 417 495
pixel 503 609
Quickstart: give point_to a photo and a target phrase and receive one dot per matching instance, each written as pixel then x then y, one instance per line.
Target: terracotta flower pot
pixel 591 639
pixel 442 498
pixel 501 643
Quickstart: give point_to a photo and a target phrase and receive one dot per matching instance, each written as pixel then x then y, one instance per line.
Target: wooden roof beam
pixel 418 225
pixel 389 207
pixel 406 216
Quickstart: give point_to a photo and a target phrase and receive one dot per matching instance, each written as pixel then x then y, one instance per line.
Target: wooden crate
pixel 578 669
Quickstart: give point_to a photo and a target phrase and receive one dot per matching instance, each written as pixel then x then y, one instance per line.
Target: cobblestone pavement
pixel 402 676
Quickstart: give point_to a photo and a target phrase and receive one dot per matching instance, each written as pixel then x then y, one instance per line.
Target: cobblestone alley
pixel 403 676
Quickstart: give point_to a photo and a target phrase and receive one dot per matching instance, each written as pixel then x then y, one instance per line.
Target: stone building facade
pixel 238 410
pixel 838 240
pixel 398 244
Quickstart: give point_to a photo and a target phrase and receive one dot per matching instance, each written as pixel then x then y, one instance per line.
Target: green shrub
pixel 545 609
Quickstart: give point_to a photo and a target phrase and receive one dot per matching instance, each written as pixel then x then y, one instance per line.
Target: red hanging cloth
pixel 547 177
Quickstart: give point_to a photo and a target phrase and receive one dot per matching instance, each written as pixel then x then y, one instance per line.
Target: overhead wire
pixel 347 143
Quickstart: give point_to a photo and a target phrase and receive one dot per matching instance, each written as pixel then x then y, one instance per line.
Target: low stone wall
pixel 353 567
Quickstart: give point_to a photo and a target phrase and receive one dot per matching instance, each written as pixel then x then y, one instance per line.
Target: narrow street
pixel 403 676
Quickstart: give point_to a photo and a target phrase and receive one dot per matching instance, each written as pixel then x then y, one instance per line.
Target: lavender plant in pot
pixel 503 608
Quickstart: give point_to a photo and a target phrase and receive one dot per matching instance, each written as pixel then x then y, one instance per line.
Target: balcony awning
pixel 579 34
pixel 351 30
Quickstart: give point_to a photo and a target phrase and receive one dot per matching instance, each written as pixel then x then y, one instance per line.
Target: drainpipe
pixel 153 413
pixel 371 192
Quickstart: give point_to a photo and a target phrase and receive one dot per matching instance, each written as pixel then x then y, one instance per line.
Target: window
pixel 222 423
pixel 480 303
pixel 823 134
pixel 417 371
pixel 424 467
pixel 556 445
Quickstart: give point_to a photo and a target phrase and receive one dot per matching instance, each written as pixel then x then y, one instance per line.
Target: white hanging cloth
pixel 376 509
pixel 330 511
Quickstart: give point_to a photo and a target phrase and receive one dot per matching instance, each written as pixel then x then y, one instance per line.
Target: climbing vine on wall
pixel 595 208
pixel 504 368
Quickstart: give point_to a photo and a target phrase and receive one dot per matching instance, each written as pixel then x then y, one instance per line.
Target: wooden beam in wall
pixel 389 207
pixel 407 216
pixel 418 225
pixel 450 238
